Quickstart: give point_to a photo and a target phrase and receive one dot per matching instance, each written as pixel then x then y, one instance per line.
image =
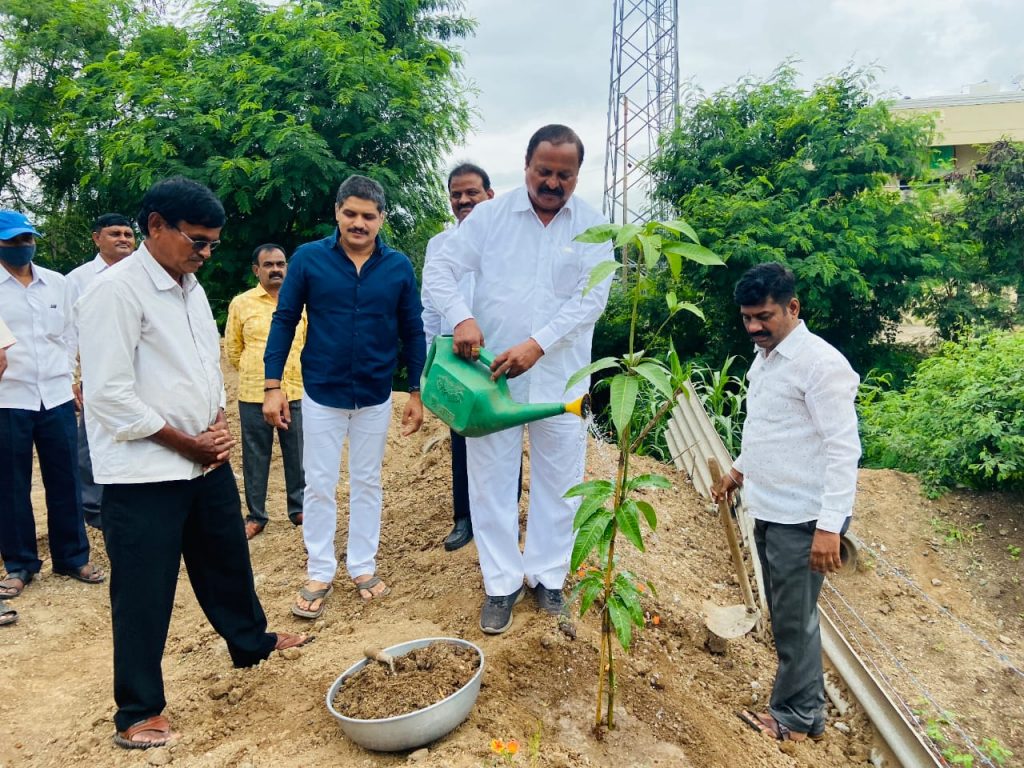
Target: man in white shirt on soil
pixel 160 443
pixel 468 185
pixel 529 305
pixel 114 238
pixel 798 470
pixel 37 409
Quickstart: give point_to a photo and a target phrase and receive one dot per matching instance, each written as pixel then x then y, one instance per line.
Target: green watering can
pixel 460 392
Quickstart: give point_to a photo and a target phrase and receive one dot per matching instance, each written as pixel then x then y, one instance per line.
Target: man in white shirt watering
pixel 160 444
pixel 114 238
pixel 468 185
pixel 529 307
pixel 798 471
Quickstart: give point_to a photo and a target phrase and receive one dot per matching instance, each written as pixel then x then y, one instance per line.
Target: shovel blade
pixel 729 621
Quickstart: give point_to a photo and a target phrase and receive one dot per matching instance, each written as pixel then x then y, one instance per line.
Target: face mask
pixel 19 255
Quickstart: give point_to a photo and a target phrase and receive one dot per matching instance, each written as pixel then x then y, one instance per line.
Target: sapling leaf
pixel 619 616
pixel 628 518
pixel 682 227
pixel 648 481
pixel 693 309
pixel 589 507
pixel 598 234
pixel 588 537
pixel 657 375
pixel 589 593
pixel 627 592
pixel 694 252
pixel 627 233
pixel 649 514
pixel 651 245
pixel 599 273
pixel 623 400
pixel 598 365
pixel 591 487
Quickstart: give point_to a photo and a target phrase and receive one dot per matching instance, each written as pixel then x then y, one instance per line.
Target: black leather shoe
pixel 460 536
pixel 496 613
pixel 550 601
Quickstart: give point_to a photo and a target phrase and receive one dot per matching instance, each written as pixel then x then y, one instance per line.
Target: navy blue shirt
pixel 355 323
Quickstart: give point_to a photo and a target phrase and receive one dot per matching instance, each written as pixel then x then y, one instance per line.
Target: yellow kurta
pixel 245 339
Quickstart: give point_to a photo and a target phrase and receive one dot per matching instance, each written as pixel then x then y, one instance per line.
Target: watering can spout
pixel 460 392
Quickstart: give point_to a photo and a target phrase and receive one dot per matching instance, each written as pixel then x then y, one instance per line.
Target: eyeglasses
pixel 199 245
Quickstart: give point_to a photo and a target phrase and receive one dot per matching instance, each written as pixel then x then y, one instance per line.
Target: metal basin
pixel 413 729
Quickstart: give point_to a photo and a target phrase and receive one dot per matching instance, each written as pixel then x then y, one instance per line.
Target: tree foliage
pixel 960 421
pixel 983 286
pixel 270 106
pixel 773 173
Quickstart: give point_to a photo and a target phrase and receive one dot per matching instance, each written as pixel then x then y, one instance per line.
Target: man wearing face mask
pixel 114 238
pixel 531 305
pixel 245 341
pixel 37 408
pixel 468 185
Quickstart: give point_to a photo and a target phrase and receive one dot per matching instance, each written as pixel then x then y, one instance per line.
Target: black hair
pixel 770 280
pixel 178 199
pixel 554 134
pixel 465 169
pixel 363 188
pixel 111 220
pixel 266 247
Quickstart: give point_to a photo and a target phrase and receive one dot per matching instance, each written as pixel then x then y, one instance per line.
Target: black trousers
pixel 257 443
pixel 54 434
pixel 460 478
pixel 791 591
pixel 148 528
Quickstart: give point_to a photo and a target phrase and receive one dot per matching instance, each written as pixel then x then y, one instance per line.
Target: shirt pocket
pixel 53 321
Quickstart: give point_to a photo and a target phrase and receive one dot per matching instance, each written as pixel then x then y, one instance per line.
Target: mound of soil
pixel 676 702
pixel 422 677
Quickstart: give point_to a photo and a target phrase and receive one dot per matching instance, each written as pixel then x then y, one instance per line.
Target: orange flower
pixel 497 746
pixel 511 747
pixel 656 620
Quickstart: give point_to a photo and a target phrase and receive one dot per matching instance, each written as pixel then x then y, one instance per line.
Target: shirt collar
pixel 521 202
pixel 161 277
pixel 259 291
pixel 99 264
pixel 37 274
pixel 790 345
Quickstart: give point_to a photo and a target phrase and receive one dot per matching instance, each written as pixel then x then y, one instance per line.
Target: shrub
pixel 960 421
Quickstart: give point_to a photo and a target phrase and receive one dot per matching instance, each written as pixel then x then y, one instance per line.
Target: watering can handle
pixel 486 357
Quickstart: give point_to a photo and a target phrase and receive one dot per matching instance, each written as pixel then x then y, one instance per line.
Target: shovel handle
pixel 376 654
pixel 725 515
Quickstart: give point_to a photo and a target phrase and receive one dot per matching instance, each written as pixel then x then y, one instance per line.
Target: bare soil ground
pixel 677 702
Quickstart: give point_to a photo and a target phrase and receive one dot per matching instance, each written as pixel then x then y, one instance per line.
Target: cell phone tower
pixel 643 101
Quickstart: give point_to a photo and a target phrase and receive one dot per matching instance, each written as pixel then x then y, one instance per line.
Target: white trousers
pixel 557 454
pixel 324 431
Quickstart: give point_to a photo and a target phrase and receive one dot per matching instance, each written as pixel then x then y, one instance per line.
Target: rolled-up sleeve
pixel 110 325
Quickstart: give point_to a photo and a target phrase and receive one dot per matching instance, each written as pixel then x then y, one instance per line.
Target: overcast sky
pixel 540 61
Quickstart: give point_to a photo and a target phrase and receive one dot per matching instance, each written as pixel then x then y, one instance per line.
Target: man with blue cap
pixel 37 408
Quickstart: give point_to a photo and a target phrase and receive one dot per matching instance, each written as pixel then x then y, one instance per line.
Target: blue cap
pixel 13 224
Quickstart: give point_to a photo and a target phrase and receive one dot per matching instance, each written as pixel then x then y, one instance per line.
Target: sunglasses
pixel 198 245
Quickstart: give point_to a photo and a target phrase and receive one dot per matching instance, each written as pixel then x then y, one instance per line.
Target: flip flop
pixel 156 724
pixel 286 640
pixel 310 595
pixel 769 726
pixel 88 574
pixel 7 591
pixel 7 615
pixel 368 585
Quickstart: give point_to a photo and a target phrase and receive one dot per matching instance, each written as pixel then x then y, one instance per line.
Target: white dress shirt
pixel 6 337
pixel 530 280
pixel 434 322
pixel 78 280
pixel 800 443
pixel 37 374
pixel 150 356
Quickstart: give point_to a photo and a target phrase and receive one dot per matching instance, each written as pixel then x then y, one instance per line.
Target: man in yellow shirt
pixel 245 338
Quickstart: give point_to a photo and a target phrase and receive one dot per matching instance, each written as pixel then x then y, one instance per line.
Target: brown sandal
pixel 769 726
pixel 156 724
pixel 287 640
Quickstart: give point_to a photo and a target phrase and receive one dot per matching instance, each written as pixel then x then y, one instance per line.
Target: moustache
pixel 276 274
pixel 556 192
pixel 761 335
pixel 357 231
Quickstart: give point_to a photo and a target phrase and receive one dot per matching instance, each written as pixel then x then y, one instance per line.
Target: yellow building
pixel 966 122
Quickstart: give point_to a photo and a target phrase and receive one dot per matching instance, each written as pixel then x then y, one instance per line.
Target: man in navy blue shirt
pixel 361 299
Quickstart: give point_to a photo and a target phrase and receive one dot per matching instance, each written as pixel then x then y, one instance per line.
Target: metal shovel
pixel 731 621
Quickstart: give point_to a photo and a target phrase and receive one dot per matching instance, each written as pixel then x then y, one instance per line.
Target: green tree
pixel 271 107
pixel 771 172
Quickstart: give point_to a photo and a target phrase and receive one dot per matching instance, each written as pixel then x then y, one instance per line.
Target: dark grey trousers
pixel 257 443
pixel 92 494
pixel 791 587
